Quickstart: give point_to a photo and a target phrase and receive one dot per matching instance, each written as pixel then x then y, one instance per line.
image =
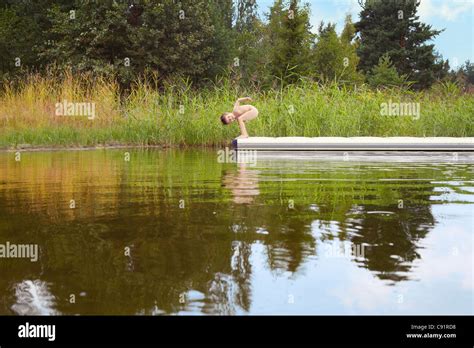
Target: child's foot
pixel 242 137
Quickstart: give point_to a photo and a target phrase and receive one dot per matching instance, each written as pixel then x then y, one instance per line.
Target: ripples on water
pixel 176 232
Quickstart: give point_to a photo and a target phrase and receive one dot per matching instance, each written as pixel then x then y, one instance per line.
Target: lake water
pixel 153 232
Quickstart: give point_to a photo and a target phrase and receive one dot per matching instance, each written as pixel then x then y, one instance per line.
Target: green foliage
pixel 248 64
pixel 205 41
pixel 335 58
pixel 446 88
pixel 103 38
pixel 17 33
pixel 182 116
pixel 24 33
pixel 223 40
pixel 393 28
pixel 384 74
pixel 466 72
pixel 246 15
pixel 191 39
pixel 290 39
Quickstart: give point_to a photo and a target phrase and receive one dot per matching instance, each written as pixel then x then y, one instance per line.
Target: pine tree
pixel 335 58
pixel 468 70
pixel 349 47
pixel 384 74
pixel 223 41
pixel 465 73
pixel 328 53
pixel 393 28
pixel 251 55
pixel 290 40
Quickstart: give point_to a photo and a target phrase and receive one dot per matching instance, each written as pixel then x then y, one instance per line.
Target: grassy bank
pixel 181 116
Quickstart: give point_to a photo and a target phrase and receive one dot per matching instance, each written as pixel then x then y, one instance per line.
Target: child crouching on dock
pixel 241 114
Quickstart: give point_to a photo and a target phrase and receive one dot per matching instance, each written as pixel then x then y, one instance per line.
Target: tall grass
pixel 175 114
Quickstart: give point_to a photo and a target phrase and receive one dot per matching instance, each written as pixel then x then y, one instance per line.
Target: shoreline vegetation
pixel 175 114
pixel 160 73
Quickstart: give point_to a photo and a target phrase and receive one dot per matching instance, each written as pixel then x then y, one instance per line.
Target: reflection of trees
pixel 390 235
pixel 289 242
pixel 241 271
pixel 205 247
pixel 393 239
pixel 228 292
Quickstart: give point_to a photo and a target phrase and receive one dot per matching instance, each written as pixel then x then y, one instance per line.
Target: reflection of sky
pixel 441 282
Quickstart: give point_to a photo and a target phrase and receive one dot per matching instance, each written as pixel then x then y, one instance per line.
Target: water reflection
pixel 33 298
pixel 393 239
pixel 242 183
pixel 178 232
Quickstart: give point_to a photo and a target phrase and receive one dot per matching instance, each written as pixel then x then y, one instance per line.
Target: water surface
pixel 177 232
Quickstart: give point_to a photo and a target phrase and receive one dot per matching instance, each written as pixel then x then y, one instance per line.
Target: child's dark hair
pixel 223 119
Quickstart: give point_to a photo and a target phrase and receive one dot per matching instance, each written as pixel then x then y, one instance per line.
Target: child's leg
pixel 249 115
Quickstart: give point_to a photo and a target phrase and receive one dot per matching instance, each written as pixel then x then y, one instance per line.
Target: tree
pixel 127 40
pixel 467 72
pixel 335 58
pixel 463 76
pixel 93 36
pixel 10 48
pixel 384 74
pixel 249 40
pixel 246 15
pixel 349 47
pixel 290 40
pixel 24 33
pixel 393 28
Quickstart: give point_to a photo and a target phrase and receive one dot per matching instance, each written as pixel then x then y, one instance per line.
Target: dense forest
pixel 205 40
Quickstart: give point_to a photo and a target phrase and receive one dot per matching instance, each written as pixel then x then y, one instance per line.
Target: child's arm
pixel 243 130
pixel 240 100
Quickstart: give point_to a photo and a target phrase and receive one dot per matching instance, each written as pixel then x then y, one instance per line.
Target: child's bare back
pixel 245 112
